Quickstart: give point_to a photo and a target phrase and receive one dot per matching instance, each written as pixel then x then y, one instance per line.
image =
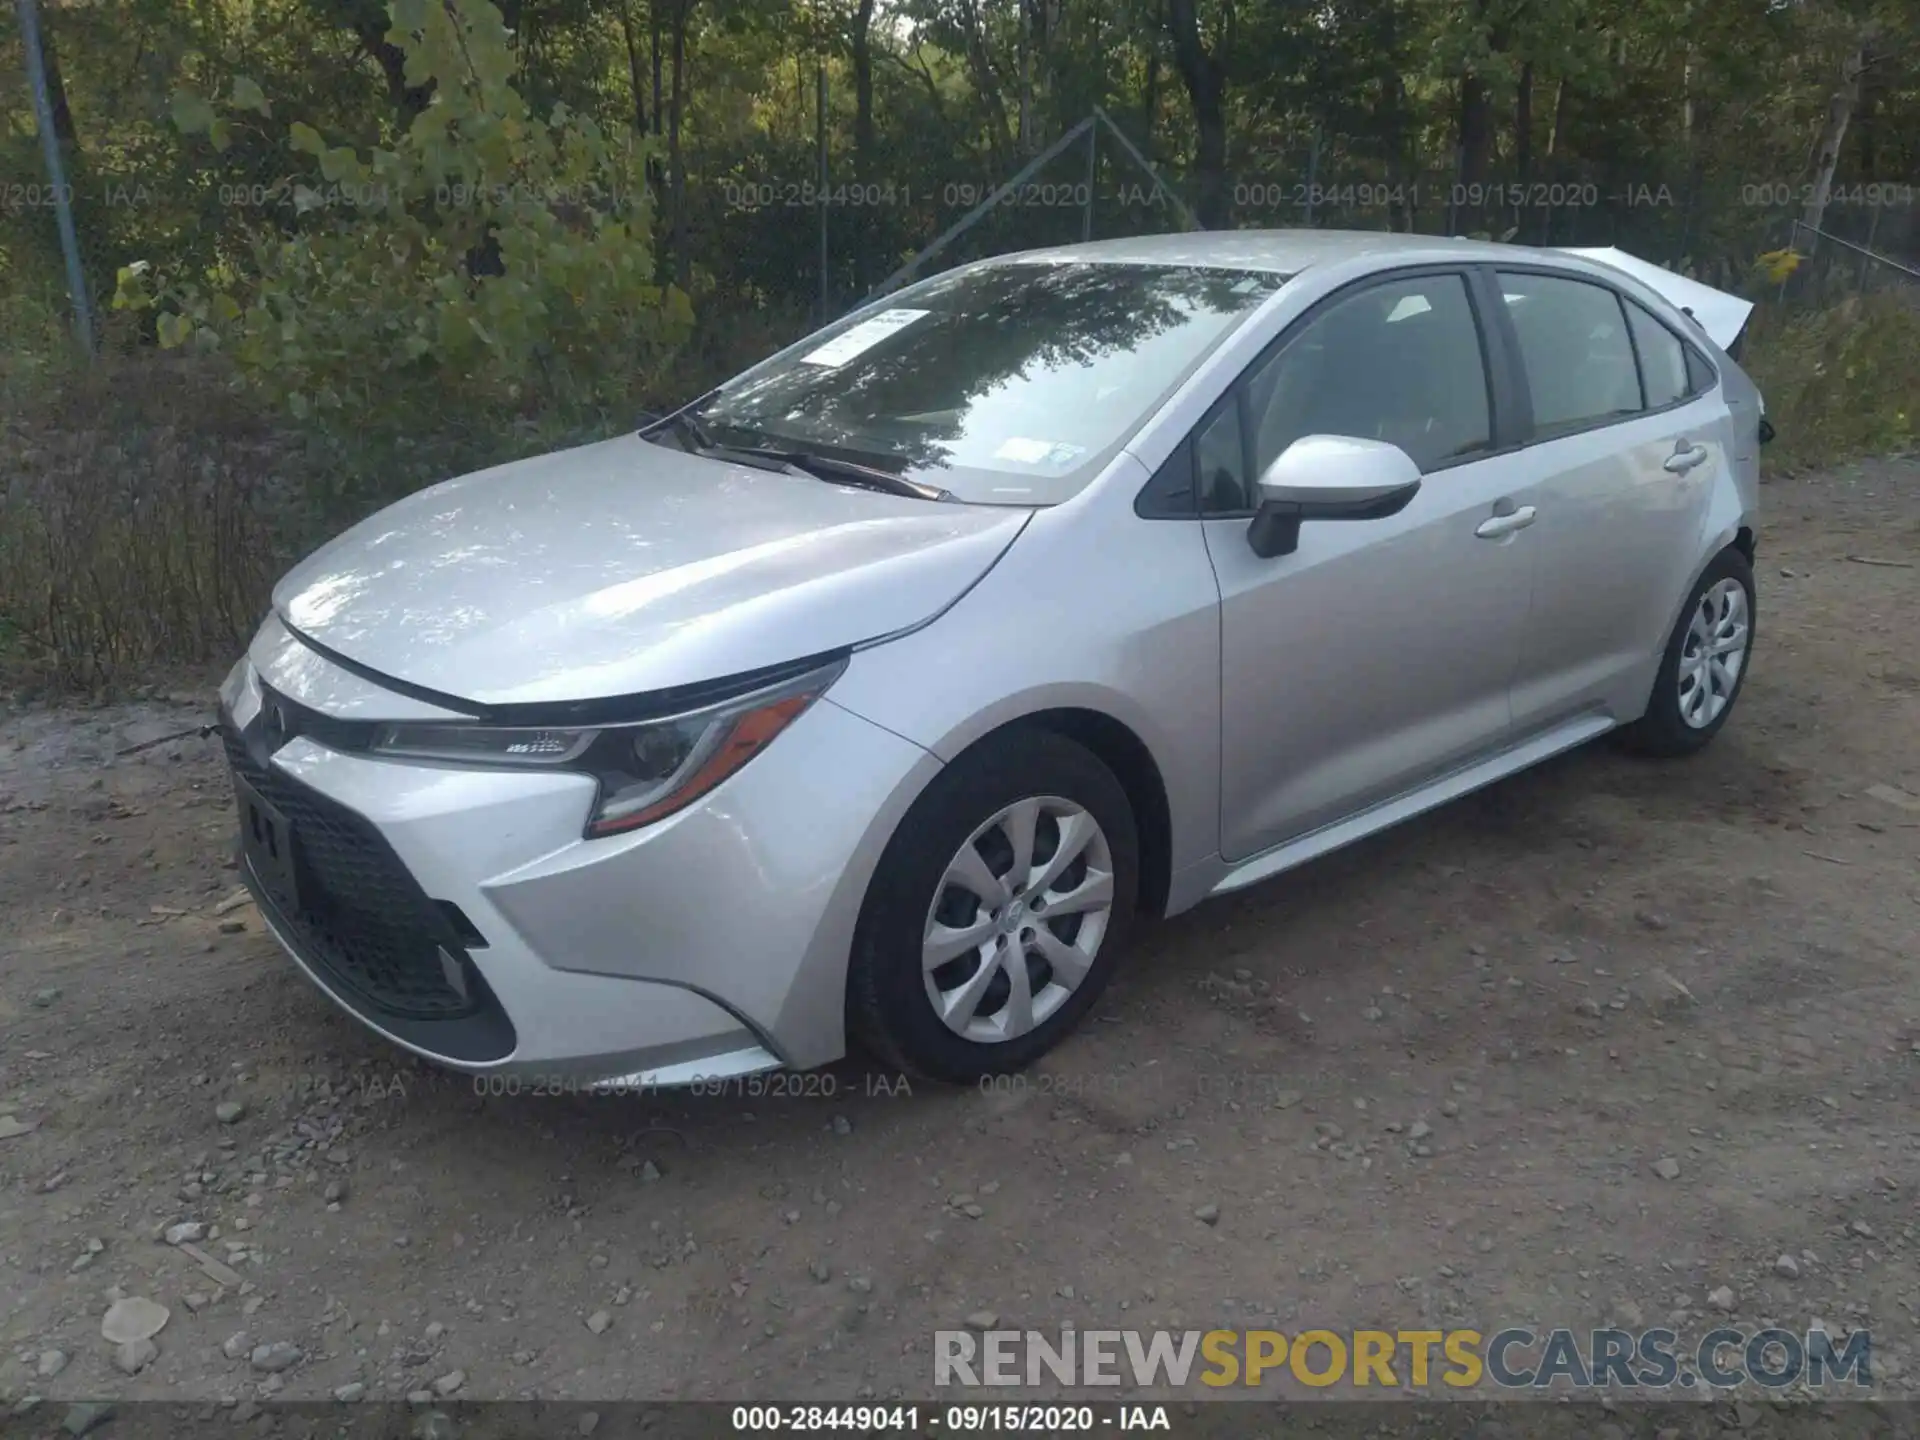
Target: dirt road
pixel 1436 1078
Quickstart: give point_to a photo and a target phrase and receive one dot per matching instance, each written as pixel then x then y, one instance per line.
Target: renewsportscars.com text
pixel 1509 1359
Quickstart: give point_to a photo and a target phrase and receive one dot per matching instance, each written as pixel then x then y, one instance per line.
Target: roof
pixel 1283 252
pixel 1288 252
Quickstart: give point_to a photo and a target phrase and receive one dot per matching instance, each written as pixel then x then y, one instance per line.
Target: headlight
pixel 647 770
pixel 483 744
pixel 234 686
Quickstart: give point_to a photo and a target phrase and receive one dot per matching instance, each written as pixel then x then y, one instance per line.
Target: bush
pixel 1839 381
pixel 139 505
pixel 483 289
pixel 489 263
pixel 149 502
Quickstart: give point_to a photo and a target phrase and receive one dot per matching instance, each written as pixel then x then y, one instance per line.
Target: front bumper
pixel 460 914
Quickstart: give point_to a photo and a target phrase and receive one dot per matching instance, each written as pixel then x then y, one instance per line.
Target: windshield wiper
pixel 687 430
pixel 836 471
pixel 694 439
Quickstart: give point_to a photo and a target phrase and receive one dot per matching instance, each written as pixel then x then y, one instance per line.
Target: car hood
pixel 624 567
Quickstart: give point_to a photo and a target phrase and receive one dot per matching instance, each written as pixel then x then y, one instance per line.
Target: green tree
pixel 488 258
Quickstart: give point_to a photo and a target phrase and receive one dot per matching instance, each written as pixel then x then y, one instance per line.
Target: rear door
pixel 1628 434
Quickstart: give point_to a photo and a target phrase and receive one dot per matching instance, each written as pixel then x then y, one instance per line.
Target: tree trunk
pixel 1150 100
pixel 63 130
pixel 1403 189
pixel 1026 77
pixel 1686 101
pixel 1833 134
pixel 1474 129
pixel 863 90
pixel 864 219
pixel 986 85
pixel 1206 82
pixel 1557 132
pixel 1866 128
pixel 1522 147
pixel 526 40
pixel 653 41
pixel 677 242
pixel 1474 126
pixel 1523 126
pixel 1393 128
pixel 633 68
pixel 1473 146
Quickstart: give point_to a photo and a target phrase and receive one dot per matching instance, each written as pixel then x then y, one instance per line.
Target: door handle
pixel 1495 526
pixel 1685 456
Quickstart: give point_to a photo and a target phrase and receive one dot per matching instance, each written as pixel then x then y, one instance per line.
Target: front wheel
pixel 997 910
pixel 1705 664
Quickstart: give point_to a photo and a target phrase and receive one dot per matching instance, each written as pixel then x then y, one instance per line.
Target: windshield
pixel 1008 384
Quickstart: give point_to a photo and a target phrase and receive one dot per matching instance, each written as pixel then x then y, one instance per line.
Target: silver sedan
pixel 878 694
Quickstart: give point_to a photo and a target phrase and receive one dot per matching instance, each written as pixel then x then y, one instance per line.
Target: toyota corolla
pixel 878 694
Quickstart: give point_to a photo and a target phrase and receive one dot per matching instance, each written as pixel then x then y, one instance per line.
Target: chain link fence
pixel 782 232
pixel 1831 265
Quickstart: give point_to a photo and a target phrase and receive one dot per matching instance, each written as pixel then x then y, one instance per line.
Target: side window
pixel 1221 462
pixel 1574 348
pixel 1169 494
pixel 1700 376
pixel 1399 361
pixel 1663 359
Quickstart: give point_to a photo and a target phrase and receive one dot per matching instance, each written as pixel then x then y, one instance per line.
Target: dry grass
pixel 1840 381
pixel 138 522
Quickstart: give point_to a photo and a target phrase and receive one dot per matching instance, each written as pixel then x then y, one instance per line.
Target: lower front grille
pixel 361 917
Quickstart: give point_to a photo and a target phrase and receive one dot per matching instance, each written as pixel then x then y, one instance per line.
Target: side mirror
pixel 1329 477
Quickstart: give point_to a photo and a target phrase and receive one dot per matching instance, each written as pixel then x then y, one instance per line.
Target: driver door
pixel 1381 653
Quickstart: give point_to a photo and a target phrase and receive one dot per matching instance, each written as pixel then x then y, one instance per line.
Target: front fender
pixel 1098 611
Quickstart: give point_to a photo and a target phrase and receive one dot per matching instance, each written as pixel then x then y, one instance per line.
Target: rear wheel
pixel 997 910
pixel 1705 664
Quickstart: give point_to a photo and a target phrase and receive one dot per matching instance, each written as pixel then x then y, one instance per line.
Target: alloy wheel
pixel 1714 653
pixel 1017 919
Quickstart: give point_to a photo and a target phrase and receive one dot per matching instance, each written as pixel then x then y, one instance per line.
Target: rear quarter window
pixel 1700 374
pixel 1663 358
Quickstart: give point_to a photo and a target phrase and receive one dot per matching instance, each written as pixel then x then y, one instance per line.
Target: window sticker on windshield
pixel 1038 452
pixel 1023 452
pixel 861 338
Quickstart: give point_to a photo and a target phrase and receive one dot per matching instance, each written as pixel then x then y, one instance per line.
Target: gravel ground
pixel 1585 1048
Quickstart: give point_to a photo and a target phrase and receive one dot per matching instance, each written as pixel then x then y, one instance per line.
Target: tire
pixel 890 999
pixel 1680 716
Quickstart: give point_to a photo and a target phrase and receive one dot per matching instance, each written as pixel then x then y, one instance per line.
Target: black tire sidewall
pixel 1663 729
pixel 888 1004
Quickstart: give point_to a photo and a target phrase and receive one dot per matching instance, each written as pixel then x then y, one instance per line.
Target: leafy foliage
pixel 487 258
pixel 1777 266
pixel 1839 381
